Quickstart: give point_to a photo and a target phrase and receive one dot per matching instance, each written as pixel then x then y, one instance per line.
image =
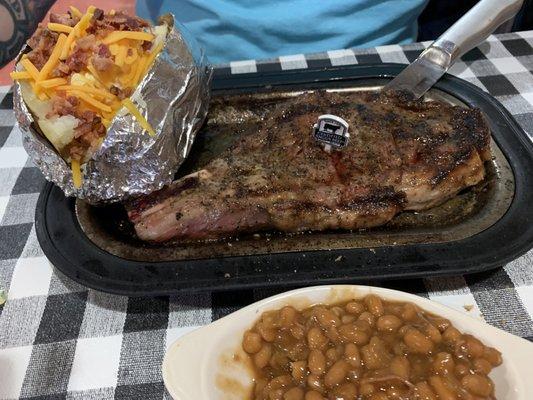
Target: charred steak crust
pixel 404 154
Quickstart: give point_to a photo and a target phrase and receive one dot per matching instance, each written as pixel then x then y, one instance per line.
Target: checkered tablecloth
pixel 60 340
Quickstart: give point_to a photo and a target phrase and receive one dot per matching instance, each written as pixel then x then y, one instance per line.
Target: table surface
pixel 60 340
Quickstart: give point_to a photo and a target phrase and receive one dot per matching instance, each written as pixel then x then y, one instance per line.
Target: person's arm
pixel 19 20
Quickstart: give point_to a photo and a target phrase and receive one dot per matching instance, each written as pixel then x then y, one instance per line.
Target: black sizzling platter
pixel 71 250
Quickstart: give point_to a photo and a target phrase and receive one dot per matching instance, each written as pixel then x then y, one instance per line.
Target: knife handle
pixel 474 27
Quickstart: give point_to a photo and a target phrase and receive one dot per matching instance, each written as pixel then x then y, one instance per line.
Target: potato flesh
pixel 58 130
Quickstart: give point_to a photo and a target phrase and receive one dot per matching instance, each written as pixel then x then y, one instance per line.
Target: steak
pixel 403 154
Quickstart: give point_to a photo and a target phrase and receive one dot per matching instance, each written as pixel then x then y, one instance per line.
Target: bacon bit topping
pixel 59 27
pixel 98 14
pixel 103 50
pixel 86 42
pixel 63 19
pixel 61 70
pixel 77 60
pixel 87 135
pixel 90 127
pixel 102 60
pixel 63 106
pixel 146 45
pixel 121 93
pixel 116 22
pixel 42 44
pixel 102 63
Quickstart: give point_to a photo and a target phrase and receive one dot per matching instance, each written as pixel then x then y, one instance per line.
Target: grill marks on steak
pixel 403 155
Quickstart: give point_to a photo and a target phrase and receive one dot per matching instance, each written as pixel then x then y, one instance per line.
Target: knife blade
pixel 468 32
pixel 419 76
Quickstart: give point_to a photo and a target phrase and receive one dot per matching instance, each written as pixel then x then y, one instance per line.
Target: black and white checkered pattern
pixel 59 340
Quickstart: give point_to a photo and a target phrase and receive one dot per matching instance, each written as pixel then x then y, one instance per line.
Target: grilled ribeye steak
pixel 402 155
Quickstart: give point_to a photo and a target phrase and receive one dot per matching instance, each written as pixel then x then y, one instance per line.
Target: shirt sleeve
pixel 149 9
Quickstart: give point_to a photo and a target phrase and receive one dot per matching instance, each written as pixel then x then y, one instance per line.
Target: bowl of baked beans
pixel 349 343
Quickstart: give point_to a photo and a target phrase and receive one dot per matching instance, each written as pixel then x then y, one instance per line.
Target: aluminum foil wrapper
pixel 173 97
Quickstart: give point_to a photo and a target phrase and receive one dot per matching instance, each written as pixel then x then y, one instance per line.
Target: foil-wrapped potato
pixel 109 104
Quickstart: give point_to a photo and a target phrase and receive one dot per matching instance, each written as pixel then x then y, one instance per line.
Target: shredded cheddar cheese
pixel 114 48
pixel 54 58
pixel 54 82
pixel 53 26
pixel 76 173
pixel 96 75
pixel 28 65
pixel 111 115
pixel 130 59
pixel 87 89
pixel 152 55
pixel 70 40
pixel 138 116
pixel 75 12
pixel 85 21
pixel 121 56
pixel 119 35
pixel 41 95
pixel 18 75
pixel 80 27
pixel 91 100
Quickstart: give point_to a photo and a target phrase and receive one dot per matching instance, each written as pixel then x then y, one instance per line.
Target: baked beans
pixel 367 349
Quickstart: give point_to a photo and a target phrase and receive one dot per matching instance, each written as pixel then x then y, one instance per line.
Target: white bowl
pixel 210 364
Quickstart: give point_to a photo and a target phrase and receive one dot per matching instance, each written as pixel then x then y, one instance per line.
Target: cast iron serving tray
pixel 482 228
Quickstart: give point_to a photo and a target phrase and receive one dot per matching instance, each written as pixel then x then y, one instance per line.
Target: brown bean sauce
pixel 366 349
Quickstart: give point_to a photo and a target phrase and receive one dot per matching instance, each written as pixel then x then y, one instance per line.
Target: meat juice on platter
pixel 403 155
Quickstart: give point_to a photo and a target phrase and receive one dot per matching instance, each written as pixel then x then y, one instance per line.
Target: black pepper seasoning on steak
pixel 405 155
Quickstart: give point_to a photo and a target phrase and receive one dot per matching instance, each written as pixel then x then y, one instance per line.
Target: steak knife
pixel 468 32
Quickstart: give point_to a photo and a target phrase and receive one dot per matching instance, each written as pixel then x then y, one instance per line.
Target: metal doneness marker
pixel 332 131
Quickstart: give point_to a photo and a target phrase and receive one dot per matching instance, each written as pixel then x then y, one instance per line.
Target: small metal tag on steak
pixel 332 131
pixel 407 155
